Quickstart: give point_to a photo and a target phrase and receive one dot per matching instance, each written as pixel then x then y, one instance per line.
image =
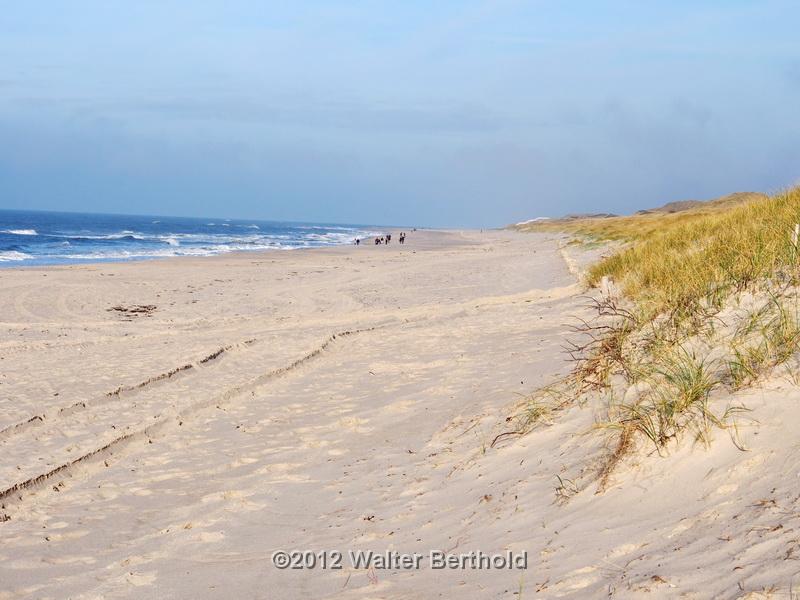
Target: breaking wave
pixel 58 238
pixel 19 231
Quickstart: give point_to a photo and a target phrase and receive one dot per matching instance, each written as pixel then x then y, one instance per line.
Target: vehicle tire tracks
pixel 17 492
pixel 40 419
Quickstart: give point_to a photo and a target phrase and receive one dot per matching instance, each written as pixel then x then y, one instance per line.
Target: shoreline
pixel 31 238
pixel 233 253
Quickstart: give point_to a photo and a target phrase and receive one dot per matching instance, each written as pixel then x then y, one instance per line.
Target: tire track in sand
pixel 16 492
pixel 40 419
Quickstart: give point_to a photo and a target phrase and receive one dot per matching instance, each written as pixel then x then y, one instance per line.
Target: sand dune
pixel 345 399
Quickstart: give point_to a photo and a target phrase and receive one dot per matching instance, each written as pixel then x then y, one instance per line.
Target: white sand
pixel 351 409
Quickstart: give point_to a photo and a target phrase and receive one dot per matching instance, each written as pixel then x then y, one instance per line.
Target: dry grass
pixel 683 277
pixel 769 337
pixel 639 226
pixel 536 409
pixel 697 261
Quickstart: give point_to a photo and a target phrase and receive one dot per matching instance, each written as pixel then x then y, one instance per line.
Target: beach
pixel 167 426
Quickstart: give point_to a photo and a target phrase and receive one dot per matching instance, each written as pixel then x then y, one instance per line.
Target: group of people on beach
pixel 385 239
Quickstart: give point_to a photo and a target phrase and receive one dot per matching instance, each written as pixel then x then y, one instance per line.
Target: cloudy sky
pixel 471 113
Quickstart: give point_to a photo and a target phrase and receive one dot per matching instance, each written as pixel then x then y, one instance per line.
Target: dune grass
pixel 685 264
pixel 677 399
pixel 710 304
pixel 688 272
pixel 638 226
pixel 767 338
pixel 626 228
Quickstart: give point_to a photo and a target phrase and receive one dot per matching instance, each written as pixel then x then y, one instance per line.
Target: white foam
pixel 163 253
pixel 13 255
pixel 109 236
pixel 139 245
pixel 20 231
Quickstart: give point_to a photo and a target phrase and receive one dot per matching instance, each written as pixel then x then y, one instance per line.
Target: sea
pixel 30 238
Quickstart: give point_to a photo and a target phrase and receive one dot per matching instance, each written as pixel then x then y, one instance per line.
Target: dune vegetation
pixel 701 257
pixel 643 224
pixel 694 306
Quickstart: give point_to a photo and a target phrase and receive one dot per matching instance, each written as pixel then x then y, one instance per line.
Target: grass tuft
pixel 676 399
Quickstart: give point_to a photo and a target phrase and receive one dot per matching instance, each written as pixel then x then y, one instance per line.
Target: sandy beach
pixel 166 426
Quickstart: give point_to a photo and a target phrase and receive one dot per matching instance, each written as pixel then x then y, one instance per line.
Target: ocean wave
pixel 175 239
pixel 204 238
pixel 164 253
pixel 324 227
pixel 331 237
pixel 13 255
pixel 19 231
pixel 223 238
pixel 111 236
pixel 141 238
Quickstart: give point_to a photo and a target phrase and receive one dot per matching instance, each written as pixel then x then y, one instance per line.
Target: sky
pixel 445 113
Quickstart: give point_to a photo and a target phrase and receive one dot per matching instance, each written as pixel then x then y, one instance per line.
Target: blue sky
pixel 439 113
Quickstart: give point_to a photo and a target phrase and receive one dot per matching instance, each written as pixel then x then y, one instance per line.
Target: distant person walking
pixel 402 237
pixel 358 242
pixel 388 237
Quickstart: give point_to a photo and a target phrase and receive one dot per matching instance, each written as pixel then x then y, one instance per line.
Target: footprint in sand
pixel 622 550
pixel 70 535
pixel 356 424
pixel 578 579
pixel 245 460
pixel 726 489
pixel 207 537
pixel 225 495
pixel 680 528
pixel 140 579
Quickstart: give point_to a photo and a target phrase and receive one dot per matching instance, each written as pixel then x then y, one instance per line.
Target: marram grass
pixel 639 226
pixel 663 378
pixel 685 262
